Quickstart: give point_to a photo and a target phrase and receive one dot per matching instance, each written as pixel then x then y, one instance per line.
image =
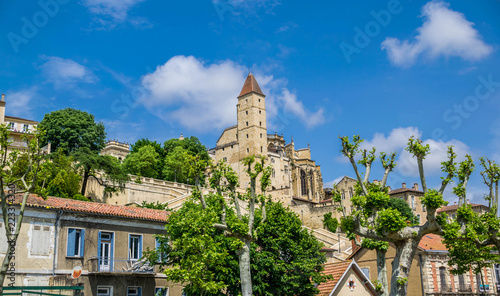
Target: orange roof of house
pixel 432 242
pixel 455 207
pixel 88 207
pixel 250 85
pixel 336 269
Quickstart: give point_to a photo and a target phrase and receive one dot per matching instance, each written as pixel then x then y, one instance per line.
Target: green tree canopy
pixel 191 145
pixel 72 129
pixel 176 165
pixel 143 162
pixel 285 258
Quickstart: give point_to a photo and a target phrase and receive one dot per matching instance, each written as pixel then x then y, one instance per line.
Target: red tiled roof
pixel 250 85
pixel 88 207
pixel 336 269
pixel 455 207
pixel 432 242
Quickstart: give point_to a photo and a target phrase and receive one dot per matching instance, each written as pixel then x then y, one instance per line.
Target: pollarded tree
pixel 24 182
pixel 285 259
pixel 373 219
pixel 472 238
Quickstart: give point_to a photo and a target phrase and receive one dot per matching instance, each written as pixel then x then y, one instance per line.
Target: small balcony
pixel 119 265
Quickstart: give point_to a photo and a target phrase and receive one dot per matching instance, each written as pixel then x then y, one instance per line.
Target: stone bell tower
pixel 252 130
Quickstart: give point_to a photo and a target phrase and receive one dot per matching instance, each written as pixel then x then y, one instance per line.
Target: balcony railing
pixel 114 264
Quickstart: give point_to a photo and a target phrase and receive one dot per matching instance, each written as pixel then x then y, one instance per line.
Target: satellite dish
pixel 77 271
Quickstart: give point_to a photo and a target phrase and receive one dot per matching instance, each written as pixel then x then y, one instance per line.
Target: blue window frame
pixel 161 291
pixel 134 291
pixel 135 246
pixel 76 242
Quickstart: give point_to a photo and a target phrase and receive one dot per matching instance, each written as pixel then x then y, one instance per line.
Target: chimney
pixel 404 185
pixel 468 201
pixel 389 188
pixel 3 97
pixel 415 186
pixel 455 203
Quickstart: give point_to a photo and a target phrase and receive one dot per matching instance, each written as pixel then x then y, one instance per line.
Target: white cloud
pixel 19 103
pixel 444 32
pixel 111 12
pixel 202 97
pixel 330 184
pixel 64 73
pixel 397 141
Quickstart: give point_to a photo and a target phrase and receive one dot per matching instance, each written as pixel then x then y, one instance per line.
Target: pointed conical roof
pixel 250 85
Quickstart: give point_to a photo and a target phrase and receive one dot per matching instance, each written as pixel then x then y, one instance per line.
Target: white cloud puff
pixel 20 102
pixel 444 32
pixel 112 12
pixel 203 97
pixel 66 72
pixel 397 141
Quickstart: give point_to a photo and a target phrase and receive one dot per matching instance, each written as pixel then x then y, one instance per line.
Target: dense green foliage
pixel 143 162
pixel 285 258
pixel 71 129
pixel 330 223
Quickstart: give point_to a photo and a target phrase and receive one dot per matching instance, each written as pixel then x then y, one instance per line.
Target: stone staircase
pixel 333 241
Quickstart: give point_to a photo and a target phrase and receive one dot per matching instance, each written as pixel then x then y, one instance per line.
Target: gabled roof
pixel 338 270
pixel 346 177
pixel 400 190
pixel 6 118
pixel 250 86
pixel 455 207
pixel 87 207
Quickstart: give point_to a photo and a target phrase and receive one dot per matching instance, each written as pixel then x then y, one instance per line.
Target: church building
pixel 294 175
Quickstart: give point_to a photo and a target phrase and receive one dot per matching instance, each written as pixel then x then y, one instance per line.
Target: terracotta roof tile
pixel 432 242
pixel 399 190
pixel 250 85
pixel 88 207
pixel 336 269
pixel 454 207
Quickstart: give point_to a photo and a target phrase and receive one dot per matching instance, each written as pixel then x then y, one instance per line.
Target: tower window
pixel 259 100
pixel 260 123
pixel 246 112
pixel 261 149
pixel 261 135
pixel 246 100
pixel 260 112
pixel 248 150
pixel 247 123
pixel 247 136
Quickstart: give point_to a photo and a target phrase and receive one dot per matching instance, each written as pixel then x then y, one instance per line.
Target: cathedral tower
pixel 252 130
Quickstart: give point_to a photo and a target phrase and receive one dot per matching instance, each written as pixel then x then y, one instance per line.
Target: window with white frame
pixel 104 291
pixel 26 128
pixel 135 246
pixel 134 291
pixel 40 240
pixel 161 291
pixel 76 239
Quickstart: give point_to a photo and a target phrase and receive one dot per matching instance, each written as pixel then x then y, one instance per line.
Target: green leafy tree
pixel 143 162
pixel 176 165
pixel 72 129
pixel 373 218
pixel 330 223
pixel 154 205
pixel 285 258
pixel 191 145
pixel 24 180
pixel 61 177
pixel 472 238
pixel 158 167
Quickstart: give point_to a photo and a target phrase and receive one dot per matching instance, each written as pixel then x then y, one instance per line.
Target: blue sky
pixel 383 69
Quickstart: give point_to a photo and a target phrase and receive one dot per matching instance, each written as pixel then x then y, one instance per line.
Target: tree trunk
pixel 405 251
pixel 382 272
pixel 245 273
pixel 84 183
